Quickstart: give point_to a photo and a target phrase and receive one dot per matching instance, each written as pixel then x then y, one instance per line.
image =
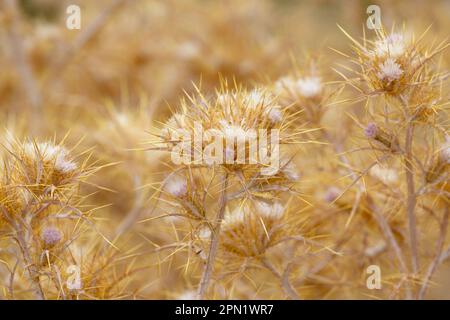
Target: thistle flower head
pixel 41 169
pixel 305 91
pixel 50 236
pixel 53 158
pixel 371 130
pixel 250 229
pixel 393 45
pixel 232 120
pixel 389 70
pixel 395 65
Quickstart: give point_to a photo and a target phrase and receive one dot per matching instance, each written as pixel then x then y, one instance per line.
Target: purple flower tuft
pixel 371 130
pixel 51 236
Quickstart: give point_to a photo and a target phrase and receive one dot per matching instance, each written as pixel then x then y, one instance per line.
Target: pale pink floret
pixel 390 70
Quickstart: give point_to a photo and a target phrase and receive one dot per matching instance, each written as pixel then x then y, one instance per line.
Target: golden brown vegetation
pixel 93 207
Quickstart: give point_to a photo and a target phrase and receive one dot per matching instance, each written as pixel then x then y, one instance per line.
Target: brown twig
pixel 214 241
pixel 30 266
pixel 411 196
pixel 284 280
pixel 438 259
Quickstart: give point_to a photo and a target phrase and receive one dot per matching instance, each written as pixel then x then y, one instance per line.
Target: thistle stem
pixel 214 241
pixel 438 259
pixel 411 196
pixel 34 276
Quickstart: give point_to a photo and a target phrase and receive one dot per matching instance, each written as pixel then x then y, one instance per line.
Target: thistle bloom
pixel 371 130
pixel 51 236
pixel 393 65
pixel 390 70
pixel 394 45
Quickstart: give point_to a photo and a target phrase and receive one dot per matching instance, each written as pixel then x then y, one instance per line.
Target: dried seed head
pixel 395 66
pixel 304 94
pixel 288 171
pixel 224 130
pixel 204 233
pixel 307 87
pixel 42 167
pixel 250 230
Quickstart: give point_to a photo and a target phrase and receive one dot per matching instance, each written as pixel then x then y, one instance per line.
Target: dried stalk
pixel 214 241
pixel 31 268
pixel 284 278
pixel 438 259
pixel 411 196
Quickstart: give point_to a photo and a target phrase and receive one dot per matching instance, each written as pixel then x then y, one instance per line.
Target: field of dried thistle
pixel 92 205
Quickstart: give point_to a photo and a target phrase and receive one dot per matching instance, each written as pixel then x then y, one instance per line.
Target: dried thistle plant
pixel 195 190
pixel 400 79
pixel 361 179
pixel 43 216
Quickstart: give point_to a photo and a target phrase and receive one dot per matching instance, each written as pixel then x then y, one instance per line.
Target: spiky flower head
pixel 50 236
pixel 231 129
pixel 396 65
pixel 371 130
pixel 44 164
pixel 303 90
pixel 249 230
pixel 393 45
pixel 390 70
